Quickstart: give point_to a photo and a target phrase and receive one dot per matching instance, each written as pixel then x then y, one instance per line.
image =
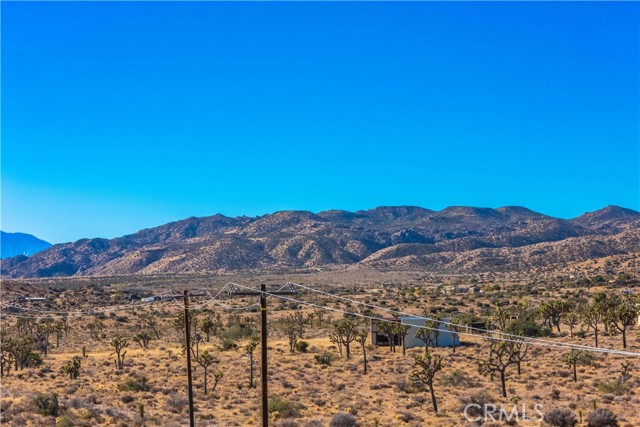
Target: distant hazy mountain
pixel 403 237
pixel 14 244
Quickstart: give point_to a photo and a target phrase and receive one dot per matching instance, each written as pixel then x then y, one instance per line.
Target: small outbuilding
pixel 445 336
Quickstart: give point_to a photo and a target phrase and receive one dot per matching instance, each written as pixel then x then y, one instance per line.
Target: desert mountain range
pixel 12 244
pixel 455 239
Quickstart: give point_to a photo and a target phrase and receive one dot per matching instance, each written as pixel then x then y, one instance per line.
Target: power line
pixel 503 336
pixel 517 338
pixel 483 331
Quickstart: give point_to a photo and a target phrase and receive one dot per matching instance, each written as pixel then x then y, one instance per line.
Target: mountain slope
pixel 607 220
pixel 13 244
pixel 385 237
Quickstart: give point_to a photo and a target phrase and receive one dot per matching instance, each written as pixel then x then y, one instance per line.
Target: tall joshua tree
pixel 426 368
pixel 501 356
pixel 424 335
pixel 119 343
pixel 361 338
pixel 571 319
pixel 622 315
pixel 388 329
pixel 402 330
pixel 347 330
pixel 206 359
pixel 520 348
pixel 250 348
pixel 574 358
pixel 293 326
pixel 72 367
pixel 591 318
pixel 552 312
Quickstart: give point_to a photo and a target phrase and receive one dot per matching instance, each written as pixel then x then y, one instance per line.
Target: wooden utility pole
pixel 263 351
pixel 187 337
pixel 264 370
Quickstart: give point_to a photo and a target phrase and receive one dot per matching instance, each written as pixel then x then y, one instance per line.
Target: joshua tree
pixel 72 367
pixel 501 356
pixel 625 370
pixel 622 315
pixel 58 328
pixel 571 319
pixel 424 335
pixel 20 351
pixel 454 330
pixel 119 343
pixel 209 327
pixel 141 412
pixel 149 322
pixel 361 338
pixel 552 312
pixel 250 323
pixel 335 339
pixel 309 319
pixel 197 339
pixel 434 326
pixel 426 368
pixel 501 318
pixel 591 318
pixel 142 338
pixel 250 348
pixel 5 362
pixel 25 326
pixel 388 328
pixel 347 330
pixel 95 328
pixel 319 314
pixel 402 331
pixel 65 326
pixel 206 359
pixel 43 330
pixel 573 358
pixel 520 350
pixel 293 326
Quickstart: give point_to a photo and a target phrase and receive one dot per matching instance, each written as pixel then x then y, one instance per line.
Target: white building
pixel 445 337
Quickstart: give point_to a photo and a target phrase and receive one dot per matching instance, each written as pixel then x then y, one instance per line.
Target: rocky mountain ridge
pixel 392 237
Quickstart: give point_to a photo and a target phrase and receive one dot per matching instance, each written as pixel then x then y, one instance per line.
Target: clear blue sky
pixel 120 116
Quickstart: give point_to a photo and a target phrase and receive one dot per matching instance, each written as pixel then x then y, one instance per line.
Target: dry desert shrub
pixel 560 418
pixel 602 418
pixel 343 419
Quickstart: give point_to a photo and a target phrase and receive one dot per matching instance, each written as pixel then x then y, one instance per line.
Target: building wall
pixel 445 338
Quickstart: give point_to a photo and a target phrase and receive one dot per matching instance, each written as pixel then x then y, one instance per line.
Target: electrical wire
pixel 448 323
pixel 517 339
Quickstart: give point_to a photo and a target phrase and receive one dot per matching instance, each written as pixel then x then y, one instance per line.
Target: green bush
pixel 47 404
pixel 237 332
pixel 615 387
pixel 134 384
pixel 33 360
pixel 528 327
pixel 65 421
pixel 302 346
pixel 324 359
pixel 284 408
pixel 227 344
